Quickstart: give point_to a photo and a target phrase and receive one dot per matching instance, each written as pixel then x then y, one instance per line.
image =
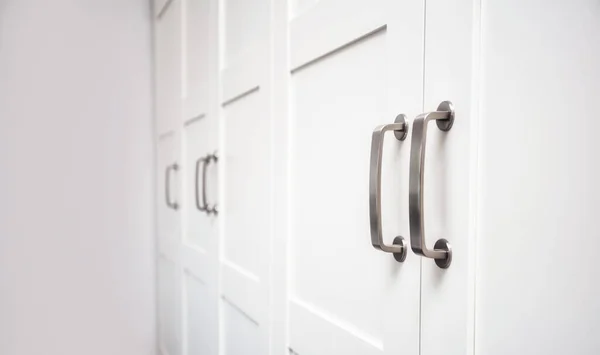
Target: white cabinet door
pixel 168 112
pixel 199 245
pixel 449 173
pixel 169 275
pixel 512 185
pixel 537 276
pixel 168 73
pixel 355 65
pixel 186 67
pixel 245 157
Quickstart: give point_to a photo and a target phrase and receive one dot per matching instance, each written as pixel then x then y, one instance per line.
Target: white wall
pixel 76 187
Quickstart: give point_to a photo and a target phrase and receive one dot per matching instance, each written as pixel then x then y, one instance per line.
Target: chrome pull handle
pixel 209 158
pixel 201 207
pixel 442 250
pixel 173 204
pixel 400 128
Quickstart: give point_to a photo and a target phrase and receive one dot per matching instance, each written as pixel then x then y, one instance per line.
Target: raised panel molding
pixel 314 332
pixel 331 25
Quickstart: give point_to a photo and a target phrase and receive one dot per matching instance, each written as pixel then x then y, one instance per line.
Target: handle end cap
pixel 443 244
pixel 401 256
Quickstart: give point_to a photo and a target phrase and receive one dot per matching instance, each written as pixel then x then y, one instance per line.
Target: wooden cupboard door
pixel 199 246
pixel 355 65
pixel 199 242
pixel 449 174
pixel 168 70
pixel 245 159
pixel 169 174
pixel 168 195
pixel 514 202
pixel 537 279
pixel 169 275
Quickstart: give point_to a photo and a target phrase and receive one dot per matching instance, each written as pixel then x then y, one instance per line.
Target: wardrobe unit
pixel 186 177
pixel 291 176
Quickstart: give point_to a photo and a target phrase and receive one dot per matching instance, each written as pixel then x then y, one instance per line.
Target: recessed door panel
pixel 242 334
pixel 198 311
pixel 245 258
pixel 245 58
pixel 169 307
pixel 197 15
pixel 246 27
pixel 329 185
pixel 247 185
pixel 168 73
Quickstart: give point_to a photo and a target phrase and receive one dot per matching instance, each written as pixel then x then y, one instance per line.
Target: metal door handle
pixel 208 159
pixel 400 128
pixel 442 250
pixel 199 206
pixel 172 167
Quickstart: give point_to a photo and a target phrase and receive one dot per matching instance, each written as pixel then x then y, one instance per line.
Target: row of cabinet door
pixel 289 103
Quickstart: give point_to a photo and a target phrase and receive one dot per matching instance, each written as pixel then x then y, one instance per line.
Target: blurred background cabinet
pixel 187 170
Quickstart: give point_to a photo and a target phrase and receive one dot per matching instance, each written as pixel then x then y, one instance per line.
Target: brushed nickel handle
pixel 172 204
pixel 209 158
pixel 442 250
pixel 201 207
pixel 400 128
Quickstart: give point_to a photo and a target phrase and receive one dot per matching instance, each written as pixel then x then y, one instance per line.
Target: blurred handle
pixel 171 204
pixel 201 207
pixel 209 158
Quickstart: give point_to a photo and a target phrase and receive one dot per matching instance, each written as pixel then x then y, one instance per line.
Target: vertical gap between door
pixel 475 174
pixel 422 110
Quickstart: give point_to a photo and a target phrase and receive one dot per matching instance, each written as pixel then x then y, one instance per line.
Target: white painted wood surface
pixel 167 71
pixel 447 298
pixel 169 235
pixel 345 297
pixel 537 280
pixel 187 132
pixel 246 151
pixel 289 102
